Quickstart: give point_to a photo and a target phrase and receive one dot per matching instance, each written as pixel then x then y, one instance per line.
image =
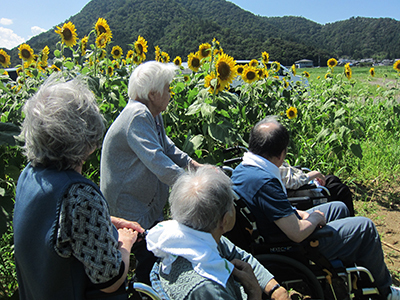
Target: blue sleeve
pixel 273 201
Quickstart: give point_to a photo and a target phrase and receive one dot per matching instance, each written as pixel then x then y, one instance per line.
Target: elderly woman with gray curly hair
pixel 197 261
pixel 66 243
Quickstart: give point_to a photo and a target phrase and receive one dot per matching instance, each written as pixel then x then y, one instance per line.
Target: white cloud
pixel 37 30
pixel 8 39
pixel 4 21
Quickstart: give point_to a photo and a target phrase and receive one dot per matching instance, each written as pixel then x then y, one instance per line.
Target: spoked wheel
pixel 292 274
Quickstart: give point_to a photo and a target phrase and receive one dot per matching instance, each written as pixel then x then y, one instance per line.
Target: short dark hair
pixel 268 142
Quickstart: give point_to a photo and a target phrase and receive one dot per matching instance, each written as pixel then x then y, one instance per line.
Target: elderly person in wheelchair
pixel 197 262
pixel 257 180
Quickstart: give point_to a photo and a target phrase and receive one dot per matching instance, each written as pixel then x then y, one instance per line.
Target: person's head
pixel 203 200
pixel 62 124
pixel 151 79
pixel 268 138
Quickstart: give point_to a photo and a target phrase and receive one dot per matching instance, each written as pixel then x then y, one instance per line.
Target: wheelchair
pixel 133 291
pixel 300 266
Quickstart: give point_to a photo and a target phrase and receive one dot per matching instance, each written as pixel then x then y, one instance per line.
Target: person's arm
pixel 143 139
pixel 292 177
pixel 126 239
pixel 297 230
pixel 245 275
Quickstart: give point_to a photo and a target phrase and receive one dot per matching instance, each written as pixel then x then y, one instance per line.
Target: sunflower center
pixel 240 70
pixel 224 71
pixel 251 75
pixel 116 52
pixel 205 52
pixel 196 62
pixel 101 29
pixel 177 62
pixel 2 59
pixel 67 34
pixel 140 49
pixel 25 53
pixel 291 113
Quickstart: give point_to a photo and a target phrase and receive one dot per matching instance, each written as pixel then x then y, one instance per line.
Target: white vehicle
pixel 282 73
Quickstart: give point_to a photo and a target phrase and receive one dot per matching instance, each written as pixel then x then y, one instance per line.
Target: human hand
pixel 317 217
pixel 318 176
pixel 245 275
pixel 194 165
pixel 122 223
pixel 127 237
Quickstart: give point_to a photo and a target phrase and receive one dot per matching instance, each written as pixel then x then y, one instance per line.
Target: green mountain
pixel 180 26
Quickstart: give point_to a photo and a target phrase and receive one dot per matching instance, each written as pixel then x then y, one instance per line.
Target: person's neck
pixel 274 160
pixel 153 110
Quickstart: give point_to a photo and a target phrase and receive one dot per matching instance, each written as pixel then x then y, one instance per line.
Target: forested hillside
pixel 180 26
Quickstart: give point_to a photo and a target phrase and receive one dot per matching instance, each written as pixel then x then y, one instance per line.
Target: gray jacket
pixel 138 164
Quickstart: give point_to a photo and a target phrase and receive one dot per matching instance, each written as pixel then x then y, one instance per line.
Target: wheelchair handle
pixel 142 288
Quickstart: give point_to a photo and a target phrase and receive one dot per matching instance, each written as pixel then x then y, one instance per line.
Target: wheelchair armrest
pixel 319 233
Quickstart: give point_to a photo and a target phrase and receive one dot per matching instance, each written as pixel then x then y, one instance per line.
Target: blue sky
pixel 22 19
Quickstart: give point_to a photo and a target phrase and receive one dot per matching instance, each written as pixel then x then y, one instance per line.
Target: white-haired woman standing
pixel 197 262
pixel 66 245
pixel 138 161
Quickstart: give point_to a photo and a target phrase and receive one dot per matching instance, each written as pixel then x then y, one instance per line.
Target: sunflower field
pixel 343 120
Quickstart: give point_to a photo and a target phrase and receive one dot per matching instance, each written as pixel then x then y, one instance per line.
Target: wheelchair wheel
pixel 292 274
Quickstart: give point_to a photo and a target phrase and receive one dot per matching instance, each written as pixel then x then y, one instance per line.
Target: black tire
pixel 279 265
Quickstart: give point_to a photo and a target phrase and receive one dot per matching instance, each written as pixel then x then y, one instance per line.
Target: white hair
pixel 151 76
pixel 199 199
pixel 62 124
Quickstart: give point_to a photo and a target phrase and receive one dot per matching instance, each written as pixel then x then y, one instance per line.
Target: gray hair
pixel 151 76
pixel 199 199
pixel 62 124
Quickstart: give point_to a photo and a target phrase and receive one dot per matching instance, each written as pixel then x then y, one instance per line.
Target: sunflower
pixel 275 66
pixel 101 27
pixel 68 34
pixel 84 42
pixel 225 68
pixel 293 68
pixel 249 74
pixel 178 61
pixel 45 55
pixel 285 83
pixel 158 53
pixel 102 40
pixel 41 66
pixel 186 78
pixel 141 47
pixel 306 74
pixel 165 57
pixel 137 60
pixel 110 70
pixel 115 64
pixel 130 54
pixel 25 52
pixel 328 75
pixel 116 52
pixel 291 112
pixel 55 68
pixel 217 47
pixel 396 65
pixel 212 83
pixel 348 72
pixel 372 72
pixel 332 62
pixel 239 69
pixel 253 63
pixel 265 58
pixel 261 73
pixel 4 58
pixel 194 62
pixel 204 50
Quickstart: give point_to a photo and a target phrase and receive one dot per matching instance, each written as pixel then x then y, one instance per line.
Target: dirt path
pixel 383 208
